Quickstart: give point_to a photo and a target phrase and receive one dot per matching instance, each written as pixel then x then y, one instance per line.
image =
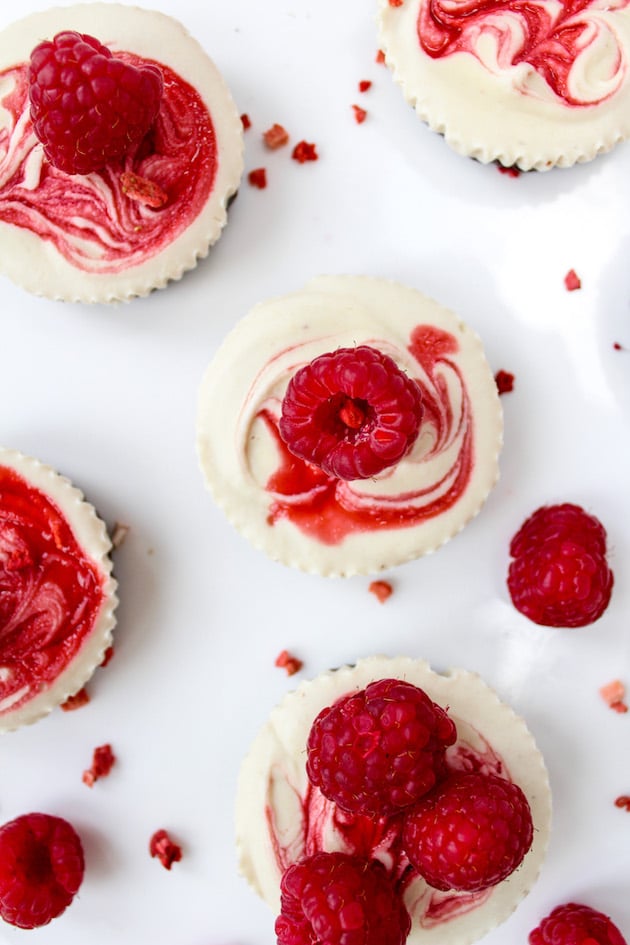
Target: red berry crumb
pixel 504 381
pixel 623 801
pixel 288 662
pixel 258 178
pixel 614 694
pixel 107 656
pixel 303 152
pixel 396 3
pixel 352 412
pixel 165 849
pixel 381 590
pixel 89 108
pixel 79 699
pixel 380 57
pixel 617 346
pixel 144 191
pixel 469 833
pixel 511 171
pixel 246 122
pixel 360 114
pixel 41 869
pixel 365 85
pixel 340 900
pixel 276 137
pixel 379 750
pixel 572 281
pixel 559 576
pixel 103 761
pixel 574 924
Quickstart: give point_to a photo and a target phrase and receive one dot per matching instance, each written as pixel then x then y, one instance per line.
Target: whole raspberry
pixel 559 576
pixel 379 750
pixel 41 869
pixel 352 412
pixel 89 108
pixel 336 899
pixel 574 924
pixel 469 833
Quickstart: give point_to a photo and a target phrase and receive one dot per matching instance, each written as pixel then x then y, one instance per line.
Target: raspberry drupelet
pixel 352 412
pixel 379 750
pixel 41 869
pixel 576 924
pixel 88 107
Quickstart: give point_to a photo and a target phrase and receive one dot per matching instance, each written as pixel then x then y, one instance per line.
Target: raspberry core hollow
pixel 297 465
pixel 281 817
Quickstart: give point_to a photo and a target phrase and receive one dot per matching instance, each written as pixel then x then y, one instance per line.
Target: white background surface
pixel 108 397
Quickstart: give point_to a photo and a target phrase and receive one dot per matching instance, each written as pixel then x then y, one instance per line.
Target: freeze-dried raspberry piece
pixel 511 171
pixel 365 85
pixel 623 801
pixel 275 137
pixel 246 122
pixel 560 576
pixel 304 151
pixel 103 761
pixel 258 178
pixel 145 191
pixel 380 57
pixel 381 590
pixel 163 847
pixel 575 924
pixel 614 694
pixel 504 381
pixel 572 281
pixel 79 699
pixel 288 662
pixel 360 114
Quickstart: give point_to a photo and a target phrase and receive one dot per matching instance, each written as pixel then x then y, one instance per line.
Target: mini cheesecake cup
pixel 497 111
pixel 85 268
pixel 280 818
pixel 31 491
pixel 331 527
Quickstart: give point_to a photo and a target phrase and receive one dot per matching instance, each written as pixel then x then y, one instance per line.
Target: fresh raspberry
pixel 560 576
pixel 469 833
pixel 336 899
pixel 41 869
pixel 352 412
pixel 89 108
pixel 379 750
pixel 574 924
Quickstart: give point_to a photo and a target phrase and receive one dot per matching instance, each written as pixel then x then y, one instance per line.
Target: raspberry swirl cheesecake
pixel 120 147
pixel 529 83
pixel 426 785
pixel 359 426
pixel 57 593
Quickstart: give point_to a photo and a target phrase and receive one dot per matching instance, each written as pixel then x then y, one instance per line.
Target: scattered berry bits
pixel 511 171
pixel 614 693
pixel 380 57
pixel 378 751
pixel 303 152
pixel 143 190
pixel 352 412
pixel 575 924
pixel 365 85
pixel 559 576
pixel 107 656
pixel 89 108
pixel 623 801
pixel 276 137
pixel 167 852
pixel 288 662
pixel 103 761
pixel 360 114
pixel 381 590
pixel 41 869
pixel 76 701
pixel 396 3
pixel 504 381
pixel 618 347
pixel 572 281
pixel 340 899
pixel 258 178
pixel 246 122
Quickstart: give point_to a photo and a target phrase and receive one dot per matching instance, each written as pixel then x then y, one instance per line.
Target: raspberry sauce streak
pixel 50 592
pixel 561 42
pixel 323 826
pixel 329 509
pixel 88 219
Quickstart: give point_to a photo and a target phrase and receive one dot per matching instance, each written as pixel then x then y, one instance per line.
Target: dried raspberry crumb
pixel 76 701
pixel 143 190
pixel 623 801
pixel 275 137
pixel 395 3
pixel 504 381
pixel 102 763
pixel 165 849
pixel 246 122
pixel 304 151
pixel 258 178
pixel 613 693
pixel 381 590
pixel 288 662
pixel 109 652
pixel 572 281
pixel 119 534
pixel 364 85
pixel 511 171
pixel 360 114
pixel 380 56
pixel 618 347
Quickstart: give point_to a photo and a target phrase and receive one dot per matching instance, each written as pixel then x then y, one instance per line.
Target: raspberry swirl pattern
pixel 280 817
pixel 306 517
